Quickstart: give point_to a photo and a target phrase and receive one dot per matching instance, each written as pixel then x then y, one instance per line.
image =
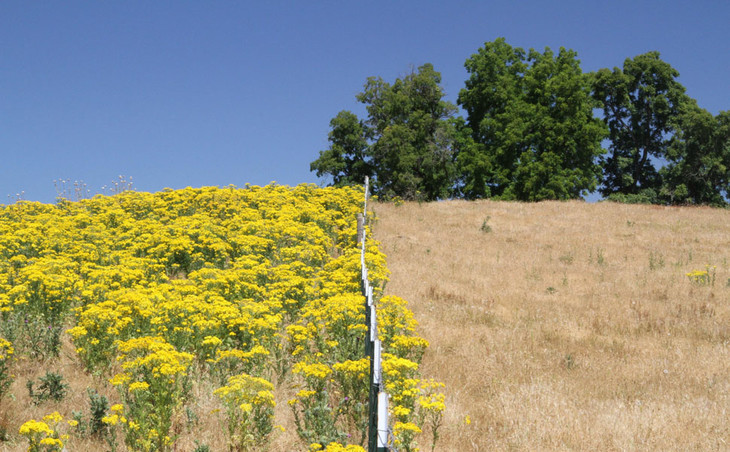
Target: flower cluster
pixel 249 403
pixel 43 435
pixel 704 277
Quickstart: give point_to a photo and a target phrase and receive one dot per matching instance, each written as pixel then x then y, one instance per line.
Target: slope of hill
pixel 566 325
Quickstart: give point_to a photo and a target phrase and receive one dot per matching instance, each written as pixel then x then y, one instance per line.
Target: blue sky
pixel 194 93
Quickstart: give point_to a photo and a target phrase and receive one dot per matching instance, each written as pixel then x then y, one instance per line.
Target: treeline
pixel 530 133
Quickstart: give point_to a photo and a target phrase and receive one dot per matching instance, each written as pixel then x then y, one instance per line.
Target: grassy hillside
pixel 569 326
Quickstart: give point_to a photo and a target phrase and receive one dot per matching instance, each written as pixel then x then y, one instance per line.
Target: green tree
pixel 346 160
pixel 534 136
pixel 698 168
pixel 639 102
pixel 406 144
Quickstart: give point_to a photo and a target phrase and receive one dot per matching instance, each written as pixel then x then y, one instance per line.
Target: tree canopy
pixel 640 103
pixel 531 133
pixel 698 158
pixel 405 144
pixel 346 159
pixel 533 129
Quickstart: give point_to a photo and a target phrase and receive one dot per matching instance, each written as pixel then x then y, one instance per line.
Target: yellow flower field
pixel 240 294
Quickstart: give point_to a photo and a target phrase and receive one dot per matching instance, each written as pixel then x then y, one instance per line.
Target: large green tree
pixel 406 144
pixel 640 103
pixel 698 159
pixel 534 135
pixel 346 159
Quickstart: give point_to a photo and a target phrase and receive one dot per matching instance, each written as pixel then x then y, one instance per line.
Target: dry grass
pixel 566 325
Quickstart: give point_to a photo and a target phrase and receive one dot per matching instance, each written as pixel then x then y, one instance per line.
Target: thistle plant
pixel 98 409
pixel 51 387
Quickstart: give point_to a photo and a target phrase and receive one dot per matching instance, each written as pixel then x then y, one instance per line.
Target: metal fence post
pixel 377 400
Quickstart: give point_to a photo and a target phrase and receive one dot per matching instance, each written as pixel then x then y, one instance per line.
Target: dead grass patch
pixel 567 325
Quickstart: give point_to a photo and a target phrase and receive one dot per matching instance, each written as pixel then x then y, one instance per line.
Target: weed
pixel 6 357
pixel 31 334
pixel 568 361
pixel 44 435
pixel 51 387
pixel 567 258
pixel 656 260
pixel 599 259
pixel 192 418
pixel 201 447
pixel 98 408
pixel 4 428
pixel 249 403
pixel 79 423
pixel 486 228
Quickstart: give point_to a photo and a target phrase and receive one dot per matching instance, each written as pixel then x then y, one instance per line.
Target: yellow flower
pixel 212 340
pixel 54 417
pixel 139 386
pixel 32 427
pixel 120 379
pixel 52 442
pixel 401 411
pixel 400 427
pixel 110 420
pixel 303 394
pixel 316 370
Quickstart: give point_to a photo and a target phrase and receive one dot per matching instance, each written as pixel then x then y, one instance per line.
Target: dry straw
pixel 566 325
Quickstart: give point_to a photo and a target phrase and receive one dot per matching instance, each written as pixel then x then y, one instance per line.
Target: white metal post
pixel 382 422
pixel 377 365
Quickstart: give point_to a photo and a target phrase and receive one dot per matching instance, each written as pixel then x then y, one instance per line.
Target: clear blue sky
pixel 193 93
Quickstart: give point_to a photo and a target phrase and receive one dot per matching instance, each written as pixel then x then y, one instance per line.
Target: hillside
pixel 567 325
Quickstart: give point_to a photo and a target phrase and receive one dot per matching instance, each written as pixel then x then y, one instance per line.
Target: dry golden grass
pixel 567 325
